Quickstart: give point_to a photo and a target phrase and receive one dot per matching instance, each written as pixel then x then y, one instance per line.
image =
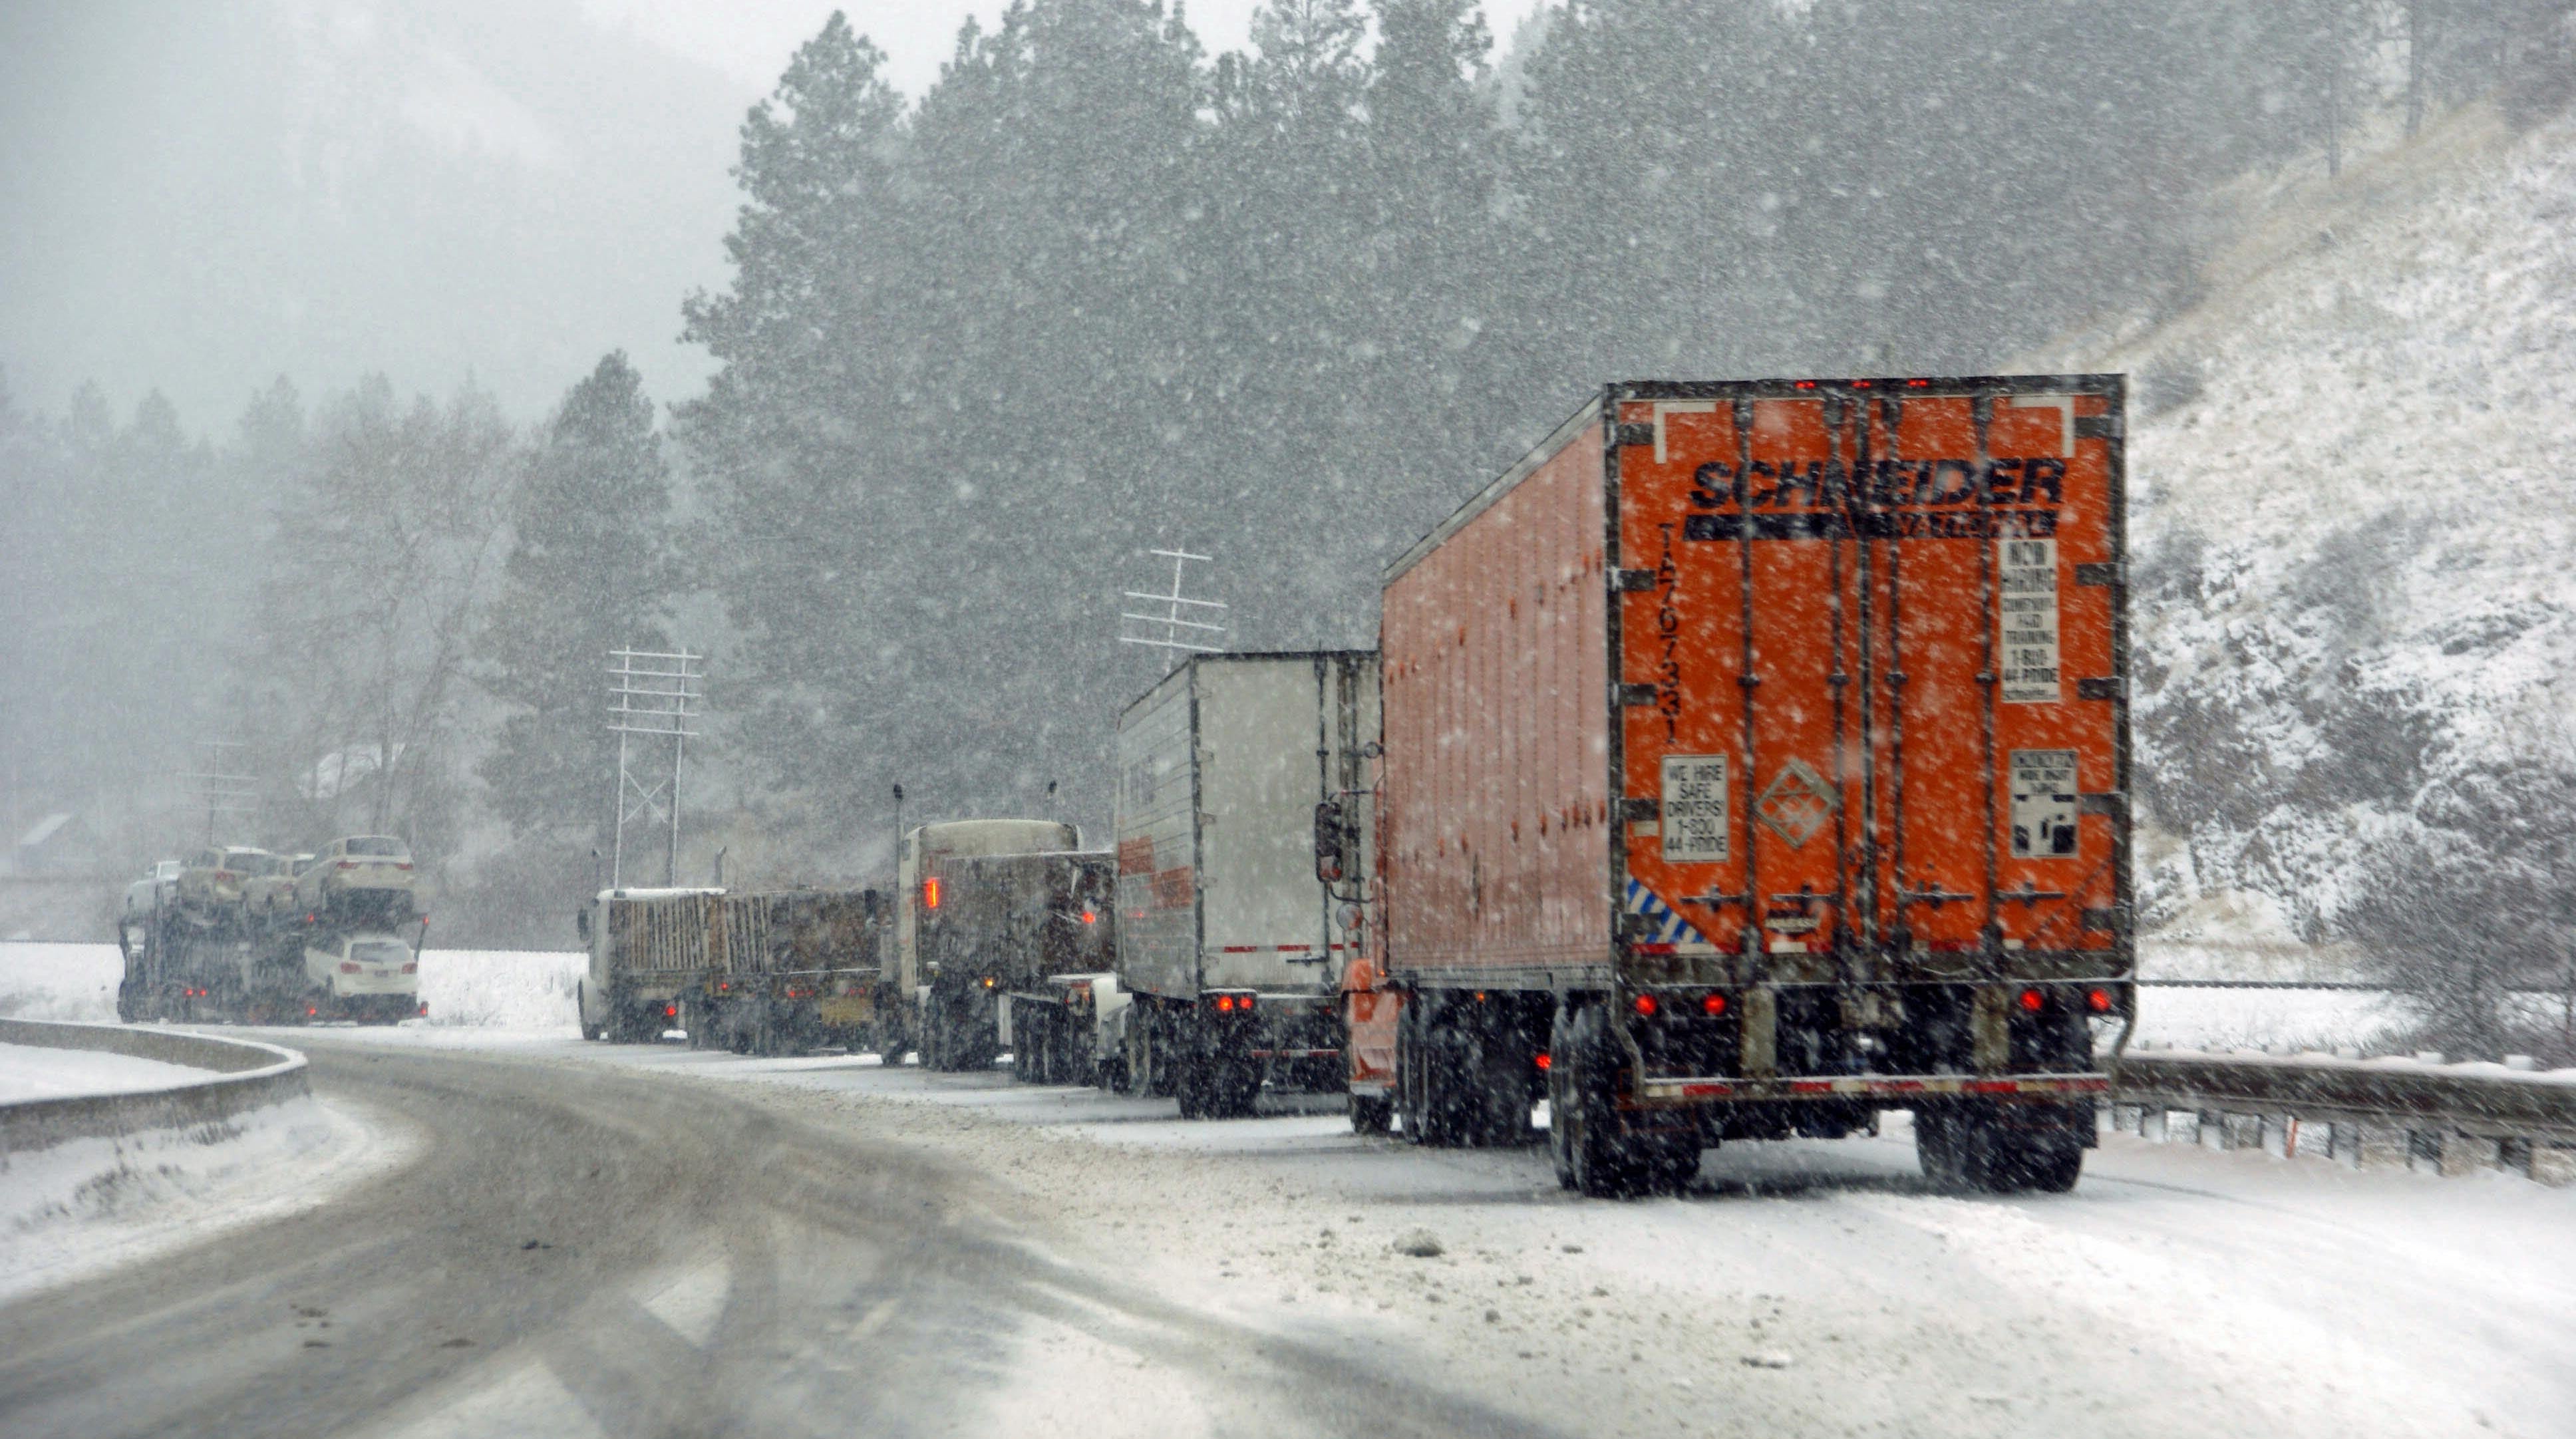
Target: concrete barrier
pixel 247 1075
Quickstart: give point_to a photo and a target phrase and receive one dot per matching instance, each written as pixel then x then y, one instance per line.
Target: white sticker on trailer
pixel 2043 804
pixel 2027 611
pixel 1693 823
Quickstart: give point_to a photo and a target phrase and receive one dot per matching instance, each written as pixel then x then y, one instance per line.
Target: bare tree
pixel 381 567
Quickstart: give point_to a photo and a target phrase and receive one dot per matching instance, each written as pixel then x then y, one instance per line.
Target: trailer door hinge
pixel 1634 433
pixel 1635 808
pixel 1636 696
pixel 2110 802
pixel 2098 576
pixel 1636 581
pixel 2106 919
pixel 2097 427
pixel 2104 687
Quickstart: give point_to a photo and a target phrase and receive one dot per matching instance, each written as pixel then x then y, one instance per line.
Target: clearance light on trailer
pixel 1645 1005
pixel 1089 916
pixel 930 893
pixel 1713 1005
pixel 670 1011
pixel 2032 1001
pixel 2098 1000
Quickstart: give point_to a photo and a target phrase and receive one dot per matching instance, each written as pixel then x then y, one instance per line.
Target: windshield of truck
pixel 1526 719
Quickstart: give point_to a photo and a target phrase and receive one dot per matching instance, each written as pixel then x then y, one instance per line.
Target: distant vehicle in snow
pixel 953 1024
pixel 156 888
pixel 370 976
pixel 362 875
pixel 209 892
pixel 270 898
pixel 1229 937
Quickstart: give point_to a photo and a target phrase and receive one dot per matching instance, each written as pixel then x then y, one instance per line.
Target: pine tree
pixel 590 570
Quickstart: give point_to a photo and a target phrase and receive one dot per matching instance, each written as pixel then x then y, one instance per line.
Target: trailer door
pixel 1870 706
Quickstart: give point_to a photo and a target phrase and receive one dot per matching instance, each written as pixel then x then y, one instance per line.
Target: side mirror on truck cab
pixel 1331 843
pixel 581 924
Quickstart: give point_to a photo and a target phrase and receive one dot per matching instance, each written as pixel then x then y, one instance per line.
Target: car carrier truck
pixel 1228 947
pixel 1756 760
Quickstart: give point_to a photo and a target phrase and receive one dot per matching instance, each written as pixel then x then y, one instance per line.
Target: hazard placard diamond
pixel 1796 803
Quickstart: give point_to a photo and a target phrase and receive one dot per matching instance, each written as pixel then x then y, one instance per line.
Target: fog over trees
pixel 1099 290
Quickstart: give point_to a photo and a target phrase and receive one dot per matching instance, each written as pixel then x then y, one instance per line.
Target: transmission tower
pixel 1172 642
pixel 652 696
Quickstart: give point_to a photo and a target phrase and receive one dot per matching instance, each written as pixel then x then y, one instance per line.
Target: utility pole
pixel 652 695
pixel 224 793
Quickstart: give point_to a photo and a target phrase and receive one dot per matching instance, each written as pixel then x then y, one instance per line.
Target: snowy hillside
pixel 2353 470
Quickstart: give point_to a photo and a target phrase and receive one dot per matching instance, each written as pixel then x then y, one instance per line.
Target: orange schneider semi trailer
pixel 1756 760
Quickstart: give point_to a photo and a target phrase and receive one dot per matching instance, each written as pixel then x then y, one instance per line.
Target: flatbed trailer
pixel 1756 760
pixel 793 970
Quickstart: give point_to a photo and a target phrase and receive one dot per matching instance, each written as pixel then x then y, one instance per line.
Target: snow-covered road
pixel 1241 1276
pixel 1798 1288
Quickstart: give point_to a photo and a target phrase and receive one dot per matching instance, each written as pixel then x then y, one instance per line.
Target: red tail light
pixel 2032 1001
pixel 348 864
pixel 348 967
pixel 1543 1059
pixel 1714 1004
pixel 1225 1003
pixel 930 893
pixel 312 1010
pixel 1645 1005
pixel 225 876
pixel 670 1011
pixel 424 1009
pixel 2098 1000
pixel 402 864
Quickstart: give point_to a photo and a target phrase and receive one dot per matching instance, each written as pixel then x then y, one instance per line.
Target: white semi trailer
pixel 1230 948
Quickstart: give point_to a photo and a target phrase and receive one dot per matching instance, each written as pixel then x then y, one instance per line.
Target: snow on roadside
pixel 74 982
pixel 482 988
pixel 501 988
pixel 29 1071
pixel 90 1205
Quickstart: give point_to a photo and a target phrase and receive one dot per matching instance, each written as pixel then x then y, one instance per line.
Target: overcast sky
pixel 200 197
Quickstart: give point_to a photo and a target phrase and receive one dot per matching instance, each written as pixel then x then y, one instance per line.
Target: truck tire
pixel 1435 1069
pixel 1586 1143
pixel 1496 1101
pixel 1963 1151
pixel 1372 1114
pixel 581 1011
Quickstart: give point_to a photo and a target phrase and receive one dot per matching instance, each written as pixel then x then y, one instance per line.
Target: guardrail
pixel 248 1075
pixel 2390 1112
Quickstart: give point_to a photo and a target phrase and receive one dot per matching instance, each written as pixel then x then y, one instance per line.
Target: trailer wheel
pixel 1585 1145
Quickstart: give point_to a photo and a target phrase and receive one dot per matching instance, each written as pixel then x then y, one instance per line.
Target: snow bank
pixel 59 981
pixel 502 988
pixel 30 1071
pixel 83 1207
pixel 482 988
